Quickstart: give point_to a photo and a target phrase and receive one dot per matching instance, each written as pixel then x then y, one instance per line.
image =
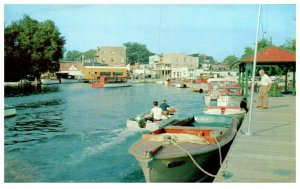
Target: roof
pixel 272 54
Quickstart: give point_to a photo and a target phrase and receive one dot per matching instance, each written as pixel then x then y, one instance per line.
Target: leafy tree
pixel 92 53
pixel 229 60
pixel 31 48
pixel 263 43
pixel 137 53
pixel 73 55
pixel 290 44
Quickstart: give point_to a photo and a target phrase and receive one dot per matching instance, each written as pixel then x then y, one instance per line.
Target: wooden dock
pixel 269 153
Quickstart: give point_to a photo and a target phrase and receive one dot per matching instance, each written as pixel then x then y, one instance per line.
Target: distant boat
pixel 111 82
pixel 165 154
pixel 70 79
pixel 9 110
pixel 138 122
pixel 49 81
pixel 180 85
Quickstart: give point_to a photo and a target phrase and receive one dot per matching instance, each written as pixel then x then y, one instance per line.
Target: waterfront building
pixel 164 64
pixel 111 55
pixel 95 72
pixel 73 68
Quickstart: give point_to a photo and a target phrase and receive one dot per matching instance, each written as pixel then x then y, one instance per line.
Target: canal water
pixel 75 133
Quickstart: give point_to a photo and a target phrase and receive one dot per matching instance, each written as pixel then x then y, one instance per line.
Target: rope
pixel 194 161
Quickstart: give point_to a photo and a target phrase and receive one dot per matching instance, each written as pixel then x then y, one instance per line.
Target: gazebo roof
pixel 272 54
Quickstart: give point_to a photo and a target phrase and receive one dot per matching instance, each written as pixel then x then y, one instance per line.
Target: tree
pixel 92 53
pixel 263 43
pixel 137 53
pixel 73 55
pixel 229 60
pixel 31 48
pixel 290 44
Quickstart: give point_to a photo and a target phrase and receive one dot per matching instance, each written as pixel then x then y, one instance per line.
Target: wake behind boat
pixel 170 154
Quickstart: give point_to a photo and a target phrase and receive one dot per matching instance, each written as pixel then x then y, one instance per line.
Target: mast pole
pixel 253 73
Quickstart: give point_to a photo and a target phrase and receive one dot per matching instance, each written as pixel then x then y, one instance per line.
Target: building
pixel 163 65
pixel 73 68
pixel 205 61
pixel 95 72
pixel 111 56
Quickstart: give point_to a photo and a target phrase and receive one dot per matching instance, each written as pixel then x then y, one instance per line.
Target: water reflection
pixel 15 91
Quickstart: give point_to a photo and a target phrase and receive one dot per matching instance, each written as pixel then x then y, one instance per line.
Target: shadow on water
pixel 29 90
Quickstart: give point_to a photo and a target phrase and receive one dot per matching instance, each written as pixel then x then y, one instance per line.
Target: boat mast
pixel 253 73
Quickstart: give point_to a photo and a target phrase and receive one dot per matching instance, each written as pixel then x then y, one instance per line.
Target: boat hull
pixel 9 111
pixel 182 169
pixel 49 81
pixel 66 80
pixel 150 126
pixel 114 85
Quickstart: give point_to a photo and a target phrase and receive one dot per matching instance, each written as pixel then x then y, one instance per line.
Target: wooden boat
pixel 111 82
pixel 9 110
pixel 138 122
pixel 170 154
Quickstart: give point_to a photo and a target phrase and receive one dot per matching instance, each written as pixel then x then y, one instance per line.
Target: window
pixel 117 73
pixel 104 73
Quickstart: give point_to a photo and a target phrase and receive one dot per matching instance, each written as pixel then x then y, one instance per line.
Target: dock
pixel 268 154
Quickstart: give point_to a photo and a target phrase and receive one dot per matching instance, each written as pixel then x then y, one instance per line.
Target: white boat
pixel 138 122
pixel 9 110
pixel 160 82
pixel 71 79
pixel 225 110
pixel 180 85
pixel 45 81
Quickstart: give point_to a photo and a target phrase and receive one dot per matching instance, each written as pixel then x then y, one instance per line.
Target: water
pixel 74 133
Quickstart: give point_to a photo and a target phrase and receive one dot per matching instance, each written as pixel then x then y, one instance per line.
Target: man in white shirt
pixel 265 87
pixel 155 113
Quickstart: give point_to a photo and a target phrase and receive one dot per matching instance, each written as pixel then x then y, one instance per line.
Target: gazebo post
pixel 243 82
pixel 286 73
pixel 294 80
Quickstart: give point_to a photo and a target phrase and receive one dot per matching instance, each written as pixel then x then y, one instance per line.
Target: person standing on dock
pixel 202 100
pixel 263 93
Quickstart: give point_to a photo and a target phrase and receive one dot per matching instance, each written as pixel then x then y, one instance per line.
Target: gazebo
pixel 267 57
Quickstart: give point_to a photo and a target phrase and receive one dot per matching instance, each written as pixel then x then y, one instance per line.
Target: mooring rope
pixel 194 161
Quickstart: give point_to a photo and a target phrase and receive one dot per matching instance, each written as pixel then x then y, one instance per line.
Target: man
pixel 155 113
pixel 263 93
pixel 164 106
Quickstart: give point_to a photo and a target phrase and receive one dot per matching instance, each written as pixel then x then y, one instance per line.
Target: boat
pixel 111 82
pixel 226 110
pixel 9 110
pixel 70 79
pixel 138 122
pixel 225 100
pixel 180 85
pixel 183 153
pixel 49 81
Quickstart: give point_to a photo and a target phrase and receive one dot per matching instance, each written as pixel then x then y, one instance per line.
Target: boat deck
pixel 269 153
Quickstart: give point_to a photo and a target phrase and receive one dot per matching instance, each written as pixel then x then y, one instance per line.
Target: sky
pixel 217 30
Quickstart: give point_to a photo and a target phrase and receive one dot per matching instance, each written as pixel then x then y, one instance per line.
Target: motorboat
pixel 138 122
pixel 183 152
pixel 9 110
